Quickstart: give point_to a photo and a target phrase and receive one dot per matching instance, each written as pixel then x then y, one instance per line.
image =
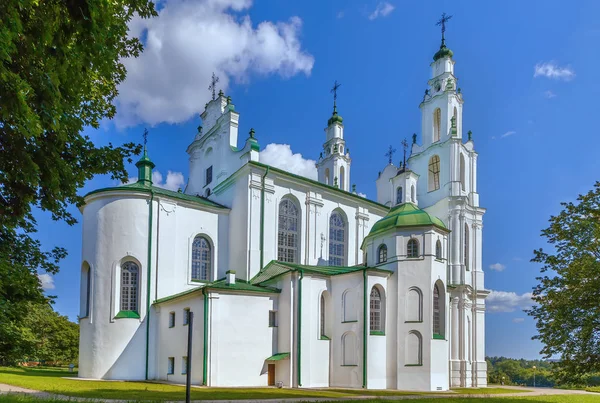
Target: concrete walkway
pixel 9 389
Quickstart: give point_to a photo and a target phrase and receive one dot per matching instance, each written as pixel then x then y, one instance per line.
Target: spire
pixel 444 51
pixel 144 165
pixel 335 117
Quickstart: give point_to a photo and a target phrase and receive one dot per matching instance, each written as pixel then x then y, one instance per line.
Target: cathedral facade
pixel 289 281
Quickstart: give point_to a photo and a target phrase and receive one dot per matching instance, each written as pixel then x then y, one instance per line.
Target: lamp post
pixel 534 376
pixel 503 381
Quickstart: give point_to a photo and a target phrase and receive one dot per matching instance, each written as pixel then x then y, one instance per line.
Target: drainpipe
pixel 299 337
pixel 205 347
pixel 365 329
pixel 262 218
pixel 148 276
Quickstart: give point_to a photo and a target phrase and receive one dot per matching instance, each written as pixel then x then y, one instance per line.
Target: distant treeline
pixel 521 372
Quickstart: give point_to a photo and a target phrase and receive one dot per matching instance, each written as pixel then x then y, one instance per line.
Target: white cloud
pixel 47 281
pixel 549 94
pixel 518 320
pixel 553 71
pixel 383 9
pixel 190 40
pixel 281 156
pixel 175 180
pixel 503 301
pixel 509 133
pixel 362 195
pixel 497 267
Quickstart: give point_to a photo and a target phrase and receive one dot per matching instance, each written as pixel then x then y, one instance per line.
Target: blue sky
pixel 535 133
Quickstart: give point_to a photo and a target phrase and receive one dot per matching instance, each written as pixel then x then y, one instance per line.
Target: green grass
pixel 593 389
pixel 487 391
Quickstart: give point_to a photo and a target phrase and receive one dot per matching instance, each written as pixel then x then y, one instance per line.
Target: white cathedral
pixel 293 282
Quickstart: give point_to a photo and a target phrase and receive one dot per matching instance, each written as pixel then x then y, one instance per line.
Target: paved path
pixel 6 389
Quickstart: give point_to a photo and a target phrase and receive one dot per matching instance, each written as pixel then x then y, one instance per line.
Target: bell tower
pixel 333 166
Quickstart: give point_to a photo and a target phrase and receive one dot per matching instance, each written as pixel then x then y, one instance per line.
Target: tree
pixel 60 67
pixel 567 310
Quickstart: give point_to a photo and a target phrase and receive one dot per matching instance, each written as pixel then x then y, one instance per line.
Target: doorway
pixel 271 374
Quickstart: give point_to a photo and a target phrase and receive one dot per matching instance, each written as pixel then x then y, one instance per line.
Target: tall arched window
pixel 327 176
pixel 439 310
pixel 434 173
pixel 466 257
pixel 462 172
pixel 86 281
pixel 437 122
pixel 412 193
pixel 337 240
pixel 436 311
pixel 382 258
pixel 399 195
pixel 376 311
pixel 289 232
pixel 455 115
pixel 412 248
pixel 201 259
pixel 438 250
pixel 342 178
pixel 130 276
pixel 323 316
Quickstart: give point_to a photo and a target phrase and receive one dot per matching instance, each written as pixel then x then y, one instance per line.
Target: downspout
pixel 262 217
pixel 299 336
pixel 365 329
pixel 205 347
pixel 148 276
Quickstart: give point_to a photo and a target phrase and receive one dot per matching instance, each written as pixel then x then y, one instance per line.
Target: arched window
pixel 382 254
pixel 327 176
pixel 413 348
pixel 337 240
pixel 349 348
pixel 437 121
pixel 462 172
pixel 434 173
pixel 412 193
pixel 342 178
pixel 399 195
pixel 466 257
pixel 439 311
pixel 414 305
pixel 288 235
pixel 201 259
pixel 412 249
pixel 349 306
pixel 130 276
pixel 438 250
pixel 376 311
pixel 322 332
pixel 456 118
pixel 86 281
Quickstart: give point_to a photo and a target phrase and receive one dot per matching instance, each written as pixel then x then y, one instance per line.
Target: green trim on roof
pixel 319 184
pixel 127 315
pixel 161 192
pixel 240 285
pixel 405 215
pixel 278 357
pixel 178 295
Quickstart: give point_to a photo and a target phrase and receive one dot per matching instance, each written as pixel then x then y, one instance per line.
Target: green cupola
pixel 443 52
pixel 406 215
pixel 145 166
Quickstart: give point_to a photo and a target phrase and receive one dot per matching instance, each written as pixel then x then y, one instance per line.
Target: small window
pixel 272 318
pixel 171 319
pixel 436 311
pixel 437 120
pixel 171 366
pixel 184 365
pixel 382 254
pixel 323 335
pixel 438 250
pixel 186 316
pixel 399 195
pixel 462 172
pixel 412 249
pixel 208 175
pixel 376 317
pixel 434 173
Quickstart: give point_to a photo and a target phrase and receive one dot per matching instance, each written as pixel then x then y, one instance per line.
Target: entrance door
pixel 271 373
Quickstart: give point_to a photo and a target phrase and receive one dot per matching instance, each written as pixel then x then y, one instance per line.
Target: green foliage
pixel 519 372
pixel 60 67
pixel 567 311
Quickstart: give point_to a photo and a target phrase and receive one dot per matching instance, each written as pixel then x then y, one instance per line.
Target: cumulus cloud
pixel 503 301
pixel 383 9
pixel 47 281
pixel 509 133
pixel 497 267
pixel 281 156
pixel 553 71
pixel 190 40
pixel 174 181
pixel 518 320
pixel 549 94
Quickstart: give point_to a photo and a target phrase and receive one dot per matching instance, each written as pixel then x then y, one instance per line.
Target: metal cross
pixel 145 137
pixel 336 85
pixel 445 18
pixel 213 86
pixel 390 153
pixel 405 146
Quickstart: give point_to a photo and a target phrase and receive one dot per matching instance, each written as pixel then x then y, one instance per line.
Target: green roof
pixel 275 269
pixel 278 357
pixel 139 187
pixel 443 52
pixel 406 215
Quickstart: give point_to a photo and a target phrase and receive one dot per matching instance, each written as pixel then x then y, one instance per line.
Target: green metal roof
pixel 139 187
pixel 406 215
pixel 278 357
pixel 443 52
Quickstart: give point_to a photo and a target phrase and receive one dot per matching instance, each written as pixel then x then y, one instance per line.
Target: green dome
pixel 406 215
pixel 443 52
pixel 334 118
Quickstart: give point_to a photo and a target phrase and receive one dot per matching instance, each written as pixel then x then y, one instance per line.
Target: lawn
pixel 487 391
